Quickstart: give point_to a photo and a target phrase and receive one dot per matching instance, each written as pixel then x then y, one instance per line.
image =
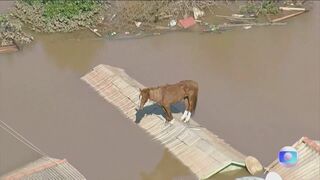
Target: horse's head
pixel 144 96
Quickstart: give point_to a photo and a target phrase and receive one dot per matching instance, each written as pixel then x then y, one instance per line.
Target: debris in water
pixel 138 24
pixel 288 16
pixel 292 9
pixel 112 17
pixel 238 15
pixel 172 23
pixel 8 48
pixel 253 165
pixel 95 31
pixel 197 13
pixel 113 33
pixel 126 33
pixel 187 22
pixel 247 27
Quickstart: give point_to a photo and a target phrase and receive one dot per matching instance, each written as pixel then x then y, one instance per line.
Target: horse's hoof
pixel 188 117
pixel 185 114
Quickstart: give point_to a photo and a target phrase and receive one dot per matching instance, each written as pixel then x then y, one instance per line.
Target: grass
pixel 59 15
pixel 261 7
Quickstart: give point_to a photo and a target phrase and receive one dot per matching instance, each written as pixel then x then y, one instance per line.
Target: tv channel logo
pixel 288 156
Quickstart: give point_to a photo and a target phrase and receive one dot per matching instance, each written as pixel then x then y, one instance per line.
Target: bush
pixel 59 15
pixel 11 31
pixel 264 7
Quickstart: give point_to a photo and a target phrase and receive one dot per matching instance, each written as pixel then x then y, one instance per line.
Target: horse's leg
pixel 168 110
pixel 190 100
pixel 186 104
pixel 166 116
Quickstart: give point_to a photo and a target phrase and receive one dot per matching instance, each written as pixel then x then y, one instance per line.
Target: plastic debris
pixel 113 33
pixel 126 33
pixel 247 27
pixel 138 24
pixel 172 23
pixel 238 15
pixel 187 22
pixel 112 17
pixel 197 13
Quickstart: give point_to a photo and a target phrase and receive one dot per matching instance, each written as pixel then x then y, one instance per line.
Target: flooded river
pixel 259 90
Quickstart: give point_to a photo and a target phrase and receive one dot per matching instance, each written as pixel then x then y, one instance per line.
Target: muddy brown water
pixel 259 90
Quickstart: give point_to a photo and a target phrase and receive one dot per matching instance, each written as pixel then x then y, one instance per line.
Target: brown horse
pixel 166 95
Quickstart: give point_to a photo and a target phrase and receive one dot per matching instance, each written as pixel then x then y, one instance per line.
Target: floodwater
pixel 259 90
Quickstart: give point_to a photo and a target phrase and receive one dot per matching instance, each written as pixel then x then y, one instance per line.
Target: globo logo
pixel 288 156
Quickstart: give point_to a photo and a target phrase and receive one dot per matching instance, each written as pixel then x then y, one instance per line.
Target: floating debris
pixel 237 15
pixel 172 23
pixel 187 22
pixel 288 16
pixel 8 49
pixel 253 165
pixel 197 13
pixel 247 27
pixel 292 9
pixel 138 24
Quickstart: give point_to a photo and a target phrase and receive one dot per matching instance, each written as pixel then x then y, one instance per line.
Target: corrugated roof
pixel 199 149
pixel 308 166
pixel 45 168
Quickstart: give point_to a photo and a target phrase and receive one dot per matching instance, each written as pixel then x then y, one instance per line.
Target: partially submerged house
pixel 45 168
pixel 203 152
pixel 308 166
pixel 19 159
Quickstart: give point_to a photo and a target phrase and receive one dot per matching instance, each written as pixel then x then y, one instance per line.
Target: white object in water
pixel 197 13
pixel 138 24
pixel 273 176
pixel 238 15
pixel 247 27
pixel 172 23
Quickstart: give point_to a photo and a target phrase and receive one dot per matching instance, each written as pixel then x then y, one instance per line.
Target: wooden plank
pixel 287 17
pixel 8 49
pixel 292 9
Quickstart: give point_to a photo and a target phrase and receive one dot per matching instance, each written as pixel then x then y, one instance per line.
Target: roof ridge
pixel 311 143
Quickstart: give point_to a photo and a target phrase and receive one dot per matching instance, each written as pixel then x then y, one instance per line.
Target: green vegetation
pixel 3 18
pixel 264 7
pixel 59 15
pixel 11 31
